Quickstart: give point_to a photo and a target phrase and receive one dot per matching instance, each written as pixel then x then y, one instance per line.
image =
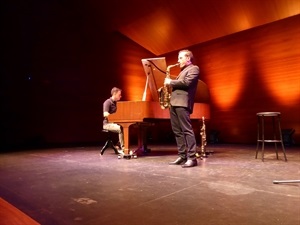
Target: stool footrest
pixel 269 141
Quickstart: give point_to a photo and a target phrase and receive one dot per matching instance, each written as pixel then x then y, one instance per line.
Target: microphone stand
pixel 285 181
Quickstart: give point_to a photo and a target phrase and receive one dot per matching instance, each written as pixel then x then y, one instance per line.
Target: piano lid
pixel 155 70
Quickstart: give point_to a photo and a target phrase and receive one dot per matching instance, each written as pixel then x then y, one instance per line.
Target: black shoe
pixel 178 161
pixel 190 163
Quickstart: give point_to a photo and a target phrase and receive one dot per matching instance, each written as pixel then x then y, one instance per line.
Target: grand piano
pixel 139 112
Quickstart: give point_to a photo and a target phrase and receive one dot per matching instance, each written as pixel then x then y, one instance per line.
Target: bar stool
pixel 108 143
pixel 261 132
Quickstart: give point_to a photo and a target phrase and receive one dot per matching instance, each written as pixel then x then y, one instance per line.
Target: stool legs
pixel 274 133
pixel 261 134
pixel 263 138
pixel 108 143
pixel 262 122
pixel 282 145
pixel 257 143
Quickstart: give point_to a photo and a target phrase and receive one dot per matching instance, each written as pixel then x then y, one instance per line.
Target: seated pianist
pixel 110 107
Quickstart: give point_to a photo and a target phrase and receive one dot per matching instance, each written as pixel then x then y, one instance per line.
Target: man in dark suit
pixel 182 103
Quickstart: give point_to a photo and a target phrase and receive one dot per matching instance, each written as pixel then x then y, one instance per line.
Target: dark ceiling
pixel 163 26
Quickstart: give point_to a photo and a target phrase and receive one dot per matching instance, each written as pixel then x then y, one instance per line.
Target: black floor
pixel 67 186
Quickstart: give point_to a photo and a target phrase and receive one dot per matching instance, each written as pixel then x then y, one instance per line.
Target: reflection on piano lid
pixel 155 70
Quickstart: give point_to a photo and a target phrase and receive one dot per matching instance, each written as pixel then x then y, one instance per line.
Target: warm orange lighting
pixel 239 21
pixel 156 31
pixel 135 87
pixel 226 87
pixel 163 23
pixel 282 85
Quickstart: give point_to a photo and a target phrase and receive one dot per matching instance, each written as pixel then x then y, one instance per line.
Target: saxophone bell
pixel 165 91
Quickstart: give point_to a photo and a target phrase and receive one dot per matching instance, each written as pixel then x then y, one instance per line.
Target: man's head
pixel 116 93
pixel 185 58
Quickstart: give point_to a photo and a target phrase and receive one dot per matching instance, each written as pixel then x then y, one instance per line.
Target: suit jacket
pixel 185 87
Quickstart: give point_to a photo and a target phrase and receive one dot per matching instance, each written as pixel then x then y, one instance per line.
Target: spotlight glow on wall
pixel 226 86
pixel 284 88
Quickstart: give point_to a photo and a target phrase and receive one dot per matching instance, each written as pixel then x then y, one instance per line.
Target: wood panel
pixel 165 27
pixel 253 71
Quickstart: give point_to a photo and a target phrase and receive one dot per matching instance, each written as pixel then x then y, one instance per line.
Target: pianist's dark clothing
pixel 182 103
pixel 111 106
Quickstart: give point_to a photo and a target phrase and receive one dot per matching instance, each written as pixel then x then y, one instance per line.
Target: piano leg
pixel 142 137
pixel 126 136
pixel 127 153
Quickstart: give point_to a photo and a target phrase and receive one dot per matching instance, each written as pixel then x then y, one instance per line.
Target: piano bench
pixel 109 143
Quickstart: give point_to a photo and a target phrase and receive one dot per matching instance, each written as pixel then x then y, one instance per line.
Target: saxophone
pixel 202 154
pixel 203 138
pixel 165 91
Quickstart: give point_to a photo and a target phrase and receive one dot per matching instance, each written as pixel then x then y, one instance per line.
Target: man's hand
pixel 106 114
pixel 167 81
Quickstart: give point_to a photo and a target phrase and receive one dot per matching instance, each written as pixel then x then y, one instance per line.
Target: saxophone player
pixel 181 106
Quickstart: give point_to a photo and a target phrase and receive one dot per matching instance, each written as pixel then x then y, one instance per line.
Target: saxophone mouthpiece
pixel 170 66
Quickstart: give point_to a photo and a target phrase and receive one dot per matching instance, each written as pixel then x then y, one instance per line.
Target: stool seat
pixel 268 113
pixel 261 132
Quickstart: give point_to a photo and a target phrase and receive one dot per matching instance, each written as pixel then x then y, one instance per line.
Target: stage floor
pixel 66 186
